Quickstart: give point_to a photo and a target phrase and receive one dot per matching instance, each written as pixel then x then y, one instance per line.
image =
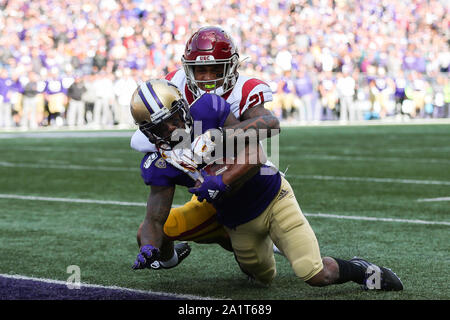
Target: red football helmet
pixel 211 46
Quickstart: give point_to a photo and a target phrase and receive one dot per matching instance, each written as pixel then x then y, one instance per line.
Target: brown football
pixel 215 169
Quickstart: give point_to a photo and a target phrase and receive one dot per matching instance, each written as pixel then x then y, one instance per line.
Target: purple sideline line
pixel 28 289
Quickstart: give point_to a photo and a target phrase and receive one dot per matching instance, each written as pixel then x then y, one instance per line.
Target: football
pixel 215 169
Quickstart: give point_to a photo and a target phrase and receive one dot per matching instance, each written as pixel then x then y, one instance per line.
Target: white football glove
pixel 204 145
pixel 182 158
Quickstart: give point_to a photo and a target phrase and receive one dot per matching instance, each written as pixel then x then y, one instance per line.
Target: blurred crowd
pixel 76 63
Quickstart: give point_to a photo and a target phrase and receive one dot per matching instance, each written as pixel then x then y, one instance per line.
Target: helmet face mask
pixel 210 46
pixel 159 110
pixel 159 132
pixel 224 81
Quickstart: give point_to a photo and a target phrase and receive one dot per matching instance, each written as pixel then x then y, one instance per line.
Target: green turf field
pixel 375 174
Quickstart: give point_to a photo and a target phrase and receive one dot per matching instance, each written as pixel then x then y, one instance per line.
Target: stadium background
pixel 368 190
pixel 325 60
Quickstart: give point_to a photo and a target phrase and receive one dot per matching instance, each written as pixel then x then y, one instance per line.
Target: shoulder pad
pixel 254 92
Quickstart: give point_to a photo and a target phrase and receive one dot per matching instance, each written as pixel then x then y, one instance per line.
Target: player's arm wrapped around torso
pixel 238 168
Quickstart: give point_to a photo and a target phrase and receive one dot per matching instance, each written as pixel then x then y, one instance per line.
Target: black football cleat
pixel 183 250
pixel 378 278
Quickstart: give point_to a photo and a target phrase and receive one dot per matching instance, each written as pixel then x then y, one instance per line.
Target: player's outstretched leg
pixel 378 278
pixel 368 275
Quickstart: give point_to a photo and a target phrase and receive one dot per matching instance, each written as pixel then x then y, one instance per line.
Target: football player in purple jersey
pixel 210 65
pixel 256 212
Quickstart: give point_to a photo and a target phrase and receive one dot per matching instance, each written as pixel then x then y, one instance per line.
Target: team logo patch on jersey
pixel 160 163
pixel 149 160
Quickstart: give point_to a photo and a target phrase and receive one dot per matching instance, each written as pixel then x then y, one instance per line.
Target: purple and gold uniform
pixel 212 111
pixel 262 212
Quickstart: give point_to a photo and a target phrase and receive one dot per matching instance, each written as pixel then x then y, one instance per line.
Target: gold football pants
pixel 195 221
pixel 284 224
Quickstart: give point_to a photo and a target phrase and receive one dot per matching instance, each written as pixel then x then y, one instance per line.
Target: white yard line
pixel 63 149
pixel 71 200
pixel 87 285
pixel 362 158
pixel 46 134
pixel 66 167
pixel 434 199
pixel 143 204
pixel 369 179
pixel 363 218
pixel 135 169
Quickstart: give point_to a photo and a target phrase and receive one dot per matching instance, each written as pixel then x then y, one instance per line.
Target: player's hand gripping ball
pixel 204 145
pixel 211 189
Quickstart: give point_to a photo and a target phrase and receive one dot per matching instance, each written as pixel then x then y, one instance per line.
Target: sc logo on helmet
pixel 205 58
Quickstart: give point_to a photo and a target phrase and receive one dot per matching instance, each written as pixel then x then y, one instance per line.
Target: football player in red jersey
pixel 210 65
pixel 256 208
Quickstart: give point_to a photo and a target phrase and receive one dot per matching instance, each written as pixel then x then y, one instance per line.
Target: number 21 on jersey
pixel 257 98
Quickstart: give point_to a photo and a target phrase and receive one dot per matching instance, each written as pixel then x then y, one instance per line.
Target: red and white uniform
pixel 246 93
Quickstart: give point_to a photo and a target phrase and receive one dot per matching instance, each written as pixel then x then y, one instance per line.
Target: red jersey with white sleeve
pixel 245 94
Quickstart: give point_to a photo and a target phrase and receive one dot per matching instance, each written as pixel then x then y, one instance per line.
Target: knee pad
pixel 260 265
pixel 306 268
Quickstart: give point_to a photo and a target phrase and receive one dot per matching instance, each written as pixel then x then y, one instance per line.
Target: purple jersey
pixel 213 110
pixel 4 88
pixel 304 86
pixel 54 87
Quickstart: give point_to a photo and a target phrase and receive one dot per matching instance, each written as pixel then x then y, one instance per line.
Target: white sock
pixel 171 262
